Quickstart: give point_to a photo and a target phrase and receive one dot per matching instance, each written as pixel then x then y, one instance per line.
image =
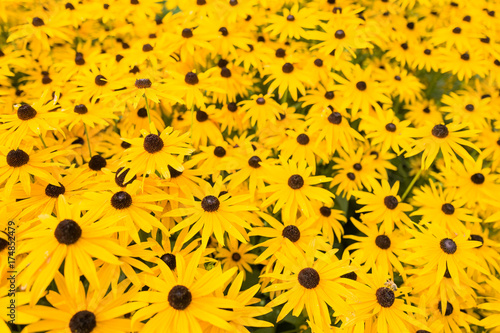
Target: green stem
pixel 147 108
pixel 41 138
pixel 413 181
pixel 88 140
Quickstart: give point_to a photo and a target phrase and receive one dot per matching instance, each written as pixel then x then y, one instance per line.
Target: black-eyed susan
pixel 236 255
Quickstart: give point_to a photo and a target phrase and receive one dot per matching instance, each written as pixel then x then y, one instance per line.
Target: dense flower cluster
pixel 250 166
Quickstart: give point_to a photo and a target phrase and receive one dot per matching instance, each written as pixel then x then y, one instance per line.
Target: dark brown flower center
pixel 187 33
pixel 290 18
pixel 147 48
pixel 225 73
pixel 125 145
pixel 291 232
pixel 232 107
pixel 153 143
pixel 233 2
pixel 54 191
pixel 351 176
pixel 479 239
pixel 440 131
pixel 142 113
pixel 143 83
pixel 296 182
pixel 329 95
pixel 448 209
pixel 179 297
pixel 173 172
pixel 201 116
pixel 260 101
pixel 121 200
pixel 446 311
pixel 361 85
pixel 134 70
pixel 82 322
pixel 219 151
pixel 100 80
pixel 191 78
pixel 308 278
pixel 469 107
pixel 120 177
pixel 37 22
pixel 280 53
pixel 97 162
pixel 26 112
pixel 391 202
pixel 68 232
pixel 351 276
pixel 169 259
pixel 385 297
pixel 340 34
pixel 357 166
pixel 3 244
pixel 390 127
pixel 465 57
pixel 79 60
pixel 318 63
pixel 448 245
pixel 325 211
pixel 210 203
pixel 335 118
pixel 224 31
pixel 236 256
pixel 254 162
pixel 80 109
pixel 383 242
pixel 69 6
pixel 17 158
pixel 477 178
pixel 287 68
pixel 303 139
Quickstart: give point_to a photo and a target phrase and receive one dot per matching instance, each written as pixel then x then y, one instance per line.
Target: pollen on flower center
pixel 210 203
pixel 191 78
pixel 219 151
pixel 325 211
pixel 120 177
pixel 54 191
pixel 385 297
pixel 97 162
pixel 291 232
pixel 68 232
pixel 143 83
pixel 448 209
pixel 335 118
pixel 296 182
pixel 477 178
pixel 100 80
pixel 308 278
pixel 440 131
pixel 449 308
pixel 383 242
pixel 448 245
pixel 153 143
pixel 169 259
pixel 303 139
pixel 17 158
pixel 236 256
pixel 479 239
pixel 80 109
pixel 82 322
pixel 254 162
pixel 201 116
pixel 179 297
pixel 26 112
pixel 391 202
pixel 121 200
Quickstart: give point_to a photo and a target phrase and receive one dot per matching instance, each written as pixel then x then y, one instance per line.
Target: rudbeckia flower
pixel 236 255
pixel 292 23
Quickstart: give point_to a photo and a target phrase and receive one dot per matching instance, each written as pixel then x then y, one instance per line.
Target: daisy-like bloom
pixel 449 139
pixel 361 91
pixel 90 114
pixel 68 237
pixel 467 108
pixel 180 303
pixel 329 222
pixel 377 249
pixel 464 65
pixel 378 301
pixel 450 317
pixel 442 206
pixel 131 206
pixel 202 126
pixel 30 120
pixel 286 78
pixel 422 111
pixel 245 316
pixel 19 164
pixel 321 98
pixel 292 23
pixel 216 213
pixel 260 110
pixel 384 206
pixel 354 171
pixel 292 189
pixel 313 284
pixel 334 128
pixel 87 311
pixel 98 81
pixel 385 129
pixel 236 255
pixel 249 169
pixel 487 252
pixel 403 85
pixel 156 152
pixel 435 247
pixel 489 143
pixel 230 117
